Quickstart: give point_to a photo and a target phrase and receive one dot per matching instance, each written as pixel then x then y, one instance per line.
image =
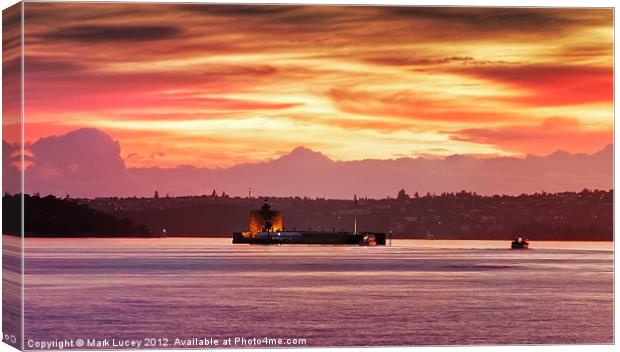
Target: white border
pixel 500 3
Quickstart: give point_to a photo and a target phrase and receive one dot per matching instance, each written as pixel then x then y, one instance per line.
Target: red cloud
pixel 551 85
pixel 551 135
pixel 84 90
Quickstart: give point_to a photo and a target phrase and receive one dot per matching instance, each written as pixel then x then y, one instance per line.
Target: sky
pixel 87 163
pixel 215 86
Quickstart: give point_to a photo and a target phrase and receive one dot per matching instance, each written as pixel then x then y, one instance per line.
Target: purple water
pixel 413 293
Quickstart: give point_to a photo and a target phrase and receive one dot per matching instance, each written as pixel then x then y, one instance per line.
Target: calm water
pixel 413 293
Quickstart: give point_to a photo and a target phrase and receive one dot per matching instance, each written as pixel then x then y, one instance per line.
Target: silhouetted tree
pixel 53 217
pixel 402 195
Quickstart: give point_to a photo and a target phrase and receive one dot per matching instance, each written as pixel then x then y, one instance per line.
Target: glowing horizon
pixel 219 85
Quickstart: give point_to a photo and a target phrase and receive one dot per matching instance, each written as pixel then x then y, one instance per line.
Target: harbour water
pixel 412 293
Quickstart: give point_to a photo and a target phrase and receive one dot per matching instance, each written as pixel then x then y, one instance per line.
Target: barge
pixel 266 227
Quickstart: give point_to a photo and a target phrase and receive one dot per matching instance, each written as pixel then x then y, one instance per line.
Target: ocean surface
pixel 416 292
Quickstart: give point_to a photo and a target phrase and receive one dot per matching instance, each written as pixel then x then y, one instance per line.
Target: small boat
pixel 368 240
pixel 519 243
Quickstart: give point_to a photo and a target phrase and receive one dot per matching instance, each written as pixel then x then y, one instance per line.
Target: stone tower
pixel 265 220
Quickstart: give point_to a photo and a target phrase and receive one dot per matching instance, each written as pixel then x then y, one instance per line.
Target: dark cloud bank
pixel 87 163
pixel 108 33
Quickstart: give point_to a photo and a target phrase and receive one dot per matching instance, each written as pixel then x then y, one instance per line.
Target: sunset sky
pixel 218 85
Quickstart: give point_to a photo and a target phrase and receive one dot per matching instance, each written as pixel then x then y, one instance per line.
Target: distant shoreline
pixel 395 237
pixel 568 216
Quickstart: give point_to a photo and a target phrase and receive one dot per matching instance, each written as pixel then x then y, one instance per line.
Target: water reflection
pixel 414 293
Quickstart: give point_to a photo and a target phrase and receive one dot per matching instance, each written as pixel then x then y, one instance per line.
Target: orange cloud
pixel 205 81
pixel 408 106
pixel 551 135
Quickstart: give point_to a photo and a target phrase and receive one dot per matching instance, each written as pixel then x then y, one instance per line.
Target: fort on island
pixel 267 227
pixel 265 220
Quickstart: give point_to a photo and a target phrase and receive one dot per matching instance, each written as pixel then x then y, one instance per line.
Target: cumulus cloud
pixel 11 180
pixel 86 152
pixel 87 163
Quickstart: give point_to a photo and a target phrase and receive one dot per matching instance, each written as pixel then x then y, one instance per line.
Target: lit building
pixel 265 220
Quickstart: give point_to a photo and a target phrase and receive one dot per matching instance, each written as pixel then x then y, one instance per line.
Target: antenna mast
pixel 355 214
